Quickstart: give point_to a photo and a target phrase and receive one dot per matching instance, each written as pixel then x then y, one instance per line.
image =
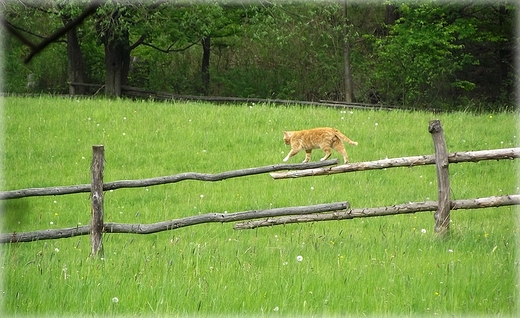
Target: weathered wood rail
pixel 172 224
pixel 62 190
pixel 427 206
pixel 456 157
pixel 136 92
pixel 277 216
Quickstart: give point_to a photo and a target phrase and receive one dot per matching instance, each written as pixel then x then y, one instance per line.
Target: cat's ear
pixel 287 134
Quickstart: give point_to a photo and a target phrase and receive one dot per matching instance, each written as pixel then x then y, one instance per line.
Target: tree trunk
pixel 504 53
pixel 113 68
pixel 125 58
pixel 116 41
pixel 349 88
pixel 391 14
pixel 75 59
pixel 206 46
pixel 117 63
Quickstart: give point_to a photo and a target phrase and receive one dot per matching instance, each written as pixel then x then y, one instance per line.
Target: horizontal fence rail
pixel 488 202
pixel 277 216
pixel 158 95
pixel 457 157
pixel 62 190
pixel 172 224
pixel 297 170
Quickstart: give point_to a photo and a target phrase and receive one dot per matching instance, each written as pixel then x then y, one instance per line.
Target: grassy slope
pixel 365 266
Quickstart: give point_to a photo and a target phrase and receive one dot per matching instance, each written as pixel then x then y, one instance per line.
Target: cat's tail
pixel 345 138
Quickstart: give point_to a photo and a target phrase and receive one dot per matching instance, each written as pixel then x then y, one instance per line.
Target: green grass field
pixel 385 266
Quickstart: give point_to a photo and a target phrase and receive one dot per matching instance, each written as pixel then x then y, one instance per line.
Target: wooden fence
pixel 277 216
pixel 135 92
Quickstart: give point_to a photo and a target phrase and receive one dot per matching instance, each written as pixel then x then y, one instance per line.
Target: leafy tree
pixel 426 52
pixel 395 52
pixel 34 22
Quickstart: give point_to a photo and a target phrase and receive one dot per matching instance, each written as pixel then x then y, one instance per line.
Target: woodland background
pixel 413 54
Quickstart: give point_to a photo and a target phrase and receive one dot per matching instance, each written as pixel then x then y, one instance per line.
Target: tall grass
pixel 376 266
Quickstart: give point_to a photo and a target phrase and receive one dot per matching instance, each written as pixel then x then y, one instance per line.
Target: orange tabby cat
pixel 324 138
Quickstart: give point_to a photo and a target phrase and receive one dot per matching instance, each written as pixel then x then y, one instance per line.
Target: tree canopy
pixel 419 54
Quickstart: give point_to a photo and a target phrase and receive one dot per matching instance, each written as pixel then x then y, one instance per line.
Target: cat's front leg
pixel 289 155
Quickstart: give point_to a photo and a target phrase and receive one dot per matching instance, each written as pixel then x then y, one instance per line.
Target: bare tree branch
pixel 37 48
pixel 138 42
pixel 14 31
pixel 169 49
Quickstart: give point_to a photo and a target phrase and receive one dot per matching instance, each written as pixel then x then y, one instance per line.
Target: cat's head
pixel 287 137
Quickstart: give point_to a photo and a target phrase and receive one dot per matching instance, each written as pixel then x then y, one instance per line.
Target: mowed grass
pixel 391 265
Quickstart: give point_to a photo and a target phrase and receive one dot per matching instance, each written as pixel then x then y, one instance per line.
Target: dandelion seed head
pixel 115 300
pixel 299 258
pixel 423 231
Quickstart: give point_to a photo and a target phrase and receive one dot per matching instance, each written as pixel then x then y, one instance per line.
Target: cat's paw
pixel 285 159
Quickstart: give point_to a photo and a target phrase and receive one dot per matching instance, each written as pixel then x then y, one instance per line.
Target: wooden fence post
pixel 442 215
pixel 96 225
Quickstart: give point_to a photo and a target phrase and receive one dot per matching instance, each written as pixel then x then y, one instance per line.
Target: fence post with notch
pixel 96 225
pixel 442 214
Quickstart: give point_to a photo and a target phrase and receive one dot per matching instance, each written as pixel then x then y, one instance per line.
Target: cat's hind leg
pixel 341 149
pixel 307 155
